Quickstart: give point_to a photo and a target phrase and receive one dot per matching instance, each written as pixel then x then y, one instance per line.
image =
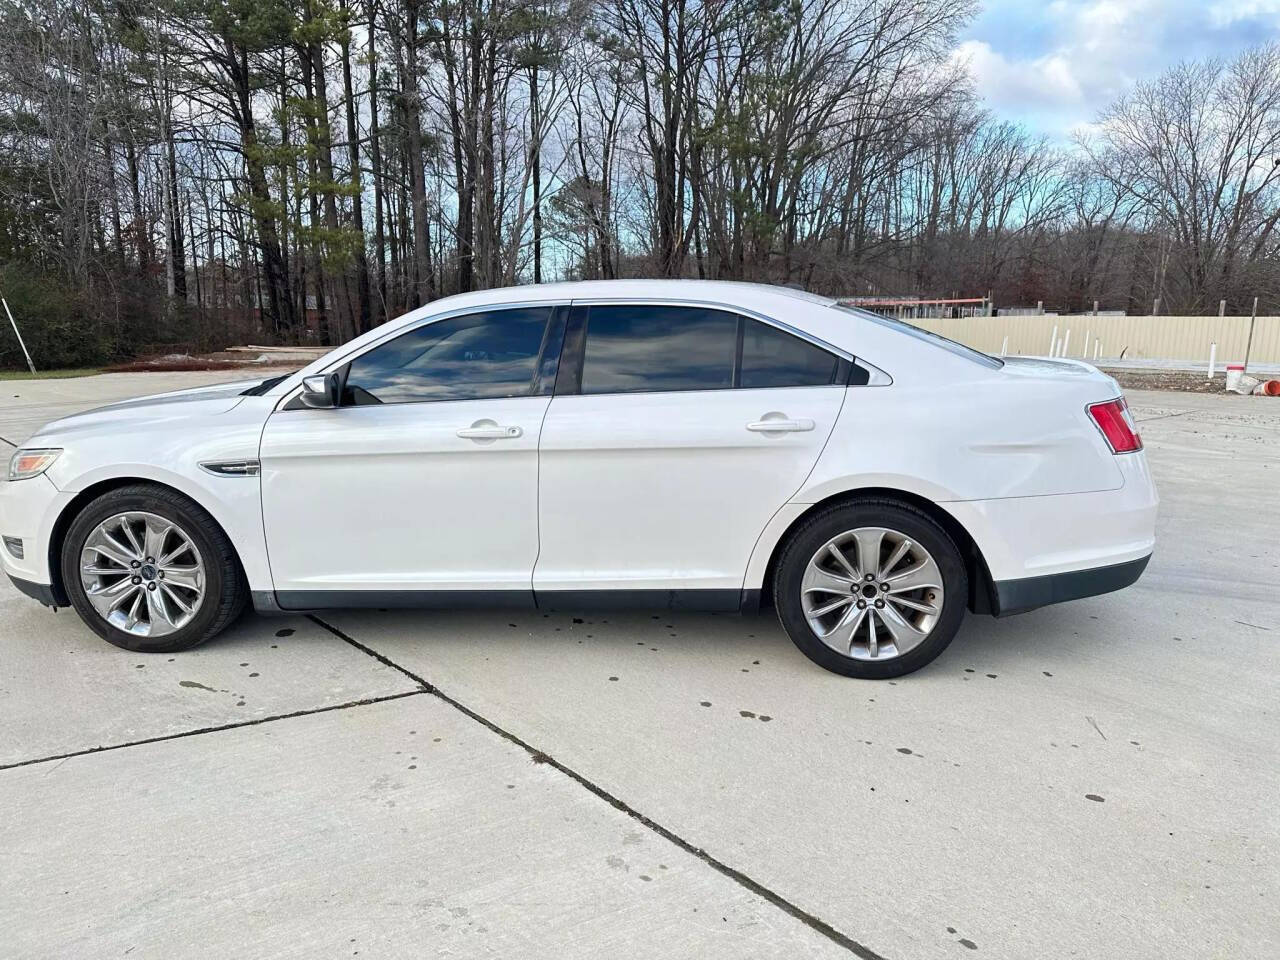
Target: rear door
pixel 676 432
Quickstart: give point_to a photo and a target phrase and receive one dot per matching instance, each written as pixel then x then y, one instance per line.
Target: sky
pixel 1054 65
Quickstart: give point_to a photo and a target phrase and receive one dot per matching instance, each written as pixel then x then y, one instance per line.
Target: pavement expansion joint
pixel 217 728
pixel 540 756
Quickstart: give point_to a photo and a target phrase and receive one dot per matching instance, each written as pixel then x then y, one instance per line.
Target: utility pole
pixel 14 323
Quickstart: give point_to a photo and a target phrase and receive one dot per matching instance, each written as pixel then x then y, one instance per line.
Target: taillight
pixel 1116 424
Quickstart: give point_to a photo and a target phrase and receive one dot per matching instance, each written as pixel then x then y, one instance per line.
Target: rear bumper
pixel 1028 593
pixel 1034 538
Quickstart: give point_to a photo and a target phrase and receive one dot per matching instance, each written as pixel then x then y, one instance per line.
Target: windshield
pixel 959 349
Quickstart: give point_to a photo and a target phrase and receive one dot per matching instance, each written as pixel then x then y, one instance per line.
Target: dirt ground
pixel 1183 381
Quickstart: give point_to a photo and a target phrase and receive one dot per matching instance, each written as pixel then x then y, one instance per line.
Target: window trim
pixel 541 383
pixel 569 383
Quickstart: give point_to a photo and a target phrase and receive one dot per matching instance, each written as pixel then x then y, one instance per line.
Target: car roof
pixel 729 292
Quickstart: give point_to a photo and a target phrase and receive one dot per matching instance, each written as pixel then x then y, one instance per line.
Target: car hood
pixel 175 405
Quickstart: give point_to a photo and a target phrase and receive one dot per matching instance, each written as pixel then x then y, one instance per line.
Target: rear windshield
pixel 959 349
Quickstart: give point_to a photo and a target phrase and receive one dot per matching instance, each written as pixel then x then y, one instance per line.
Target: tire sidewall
pixel 906 520
pixel 195 523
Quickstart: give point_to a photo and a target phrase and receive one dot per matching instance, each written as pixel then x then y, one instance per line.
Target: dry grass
pixel 48 374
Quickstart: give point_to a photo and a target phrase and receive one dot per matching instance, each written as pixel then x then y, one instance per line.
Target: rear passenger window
pixel 655 348
pixel 774 358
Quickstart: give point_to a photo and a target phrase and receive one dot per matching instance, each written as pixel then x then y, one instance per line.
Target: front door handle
pixel 780 425
pixel 488 430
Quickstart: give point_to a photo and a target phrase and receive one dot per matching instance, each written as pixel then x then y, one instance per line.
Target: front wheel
pixel 871 589
pixel 149 570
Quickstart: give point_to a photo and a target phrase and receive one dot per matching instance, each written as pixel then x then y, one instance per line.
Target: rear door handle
pixel 780 426
pixel 488 430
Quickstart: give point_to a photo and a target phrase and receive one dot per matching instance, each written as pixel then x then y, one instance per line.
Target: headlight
pixel 31 463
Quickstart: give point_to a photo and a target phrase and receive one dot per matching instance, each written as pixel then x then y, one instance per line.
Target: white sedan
pixel 677 444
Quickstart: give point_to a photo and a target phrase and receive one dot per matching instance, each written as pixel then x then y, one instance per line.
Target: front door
pixel 675 435
pixel 422 486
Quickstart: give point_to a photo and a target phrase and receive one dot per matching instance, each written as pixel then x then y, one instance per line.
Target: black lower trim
pixel 639 599
pixel 296 600
pixel 1028 593
pixel 264 602
pixel 37 591
pixel 293 601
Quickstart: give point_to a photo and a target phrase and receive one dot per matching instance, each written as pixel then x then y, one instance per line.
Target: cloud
pixel 1055 65
pixel 1227 12
pixel 1043 82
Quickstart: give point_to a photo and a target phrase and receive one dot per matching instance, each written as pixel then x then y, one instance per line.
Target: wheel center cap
pixel 869 591
pixel 148 572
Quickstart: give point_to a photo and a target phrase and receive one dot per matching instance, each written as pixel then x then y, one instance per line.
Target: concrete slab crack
pixel 213 729
pixel 743 880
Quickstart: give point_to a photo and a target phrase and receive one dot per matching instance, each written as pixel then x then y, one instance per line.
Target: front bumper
pixel 38 591
pixel 1028 593
pixel 28 509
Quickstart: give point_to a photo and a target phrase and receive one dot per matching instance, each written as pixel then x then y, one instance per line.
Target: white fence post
pixel 1213 356
pixel 1004 347
pixel 1066 343
pixel 1248 347
pixel 1088 336
pixel 1053 341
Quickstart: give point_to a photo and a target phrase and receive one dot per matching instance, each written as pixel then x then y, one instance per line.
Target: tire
pixel 903 615
pixel 205 590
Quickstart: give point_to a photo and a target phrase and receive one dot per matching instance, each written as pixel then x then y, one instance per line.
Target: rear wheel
pixel 149 570
pixel 872 589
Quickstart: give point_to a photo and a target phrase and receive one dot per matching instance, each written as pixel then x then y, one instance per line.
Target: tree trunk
pixel 378 312
pixel 535 164
pixel 361 308
pixel 423 288
pixel 281 308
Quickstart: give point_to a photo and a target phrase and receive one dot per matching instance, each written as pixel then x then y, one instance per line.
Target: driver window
pixel 477 356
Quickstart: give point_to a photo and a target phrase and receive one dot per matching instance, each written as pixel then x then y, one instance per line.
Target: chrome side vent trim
pixel 231 468
pixel 875 376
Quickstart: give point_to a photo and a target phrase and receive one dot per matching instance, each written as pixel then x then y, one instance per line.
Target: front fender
pixel 172 458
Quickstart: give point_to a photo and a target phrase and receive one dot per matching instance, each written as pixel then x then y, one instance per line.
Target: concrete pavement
pixel 1092 779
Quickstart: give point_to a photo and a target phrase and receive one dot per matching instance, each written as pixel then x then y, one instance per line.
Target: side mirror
pixel 322 391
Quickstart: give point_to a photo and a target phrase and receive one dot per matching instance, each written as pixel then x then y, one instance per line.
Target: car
pixel 629 443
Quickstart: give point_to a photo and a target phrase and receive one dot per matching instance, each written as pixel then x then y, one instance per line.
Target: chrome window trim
pixel 878 376
pixel 875 376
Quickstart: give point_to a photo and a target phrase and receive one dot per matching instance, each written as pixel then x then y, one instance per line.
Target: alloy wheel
pixel 142 573
pixel 872 593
